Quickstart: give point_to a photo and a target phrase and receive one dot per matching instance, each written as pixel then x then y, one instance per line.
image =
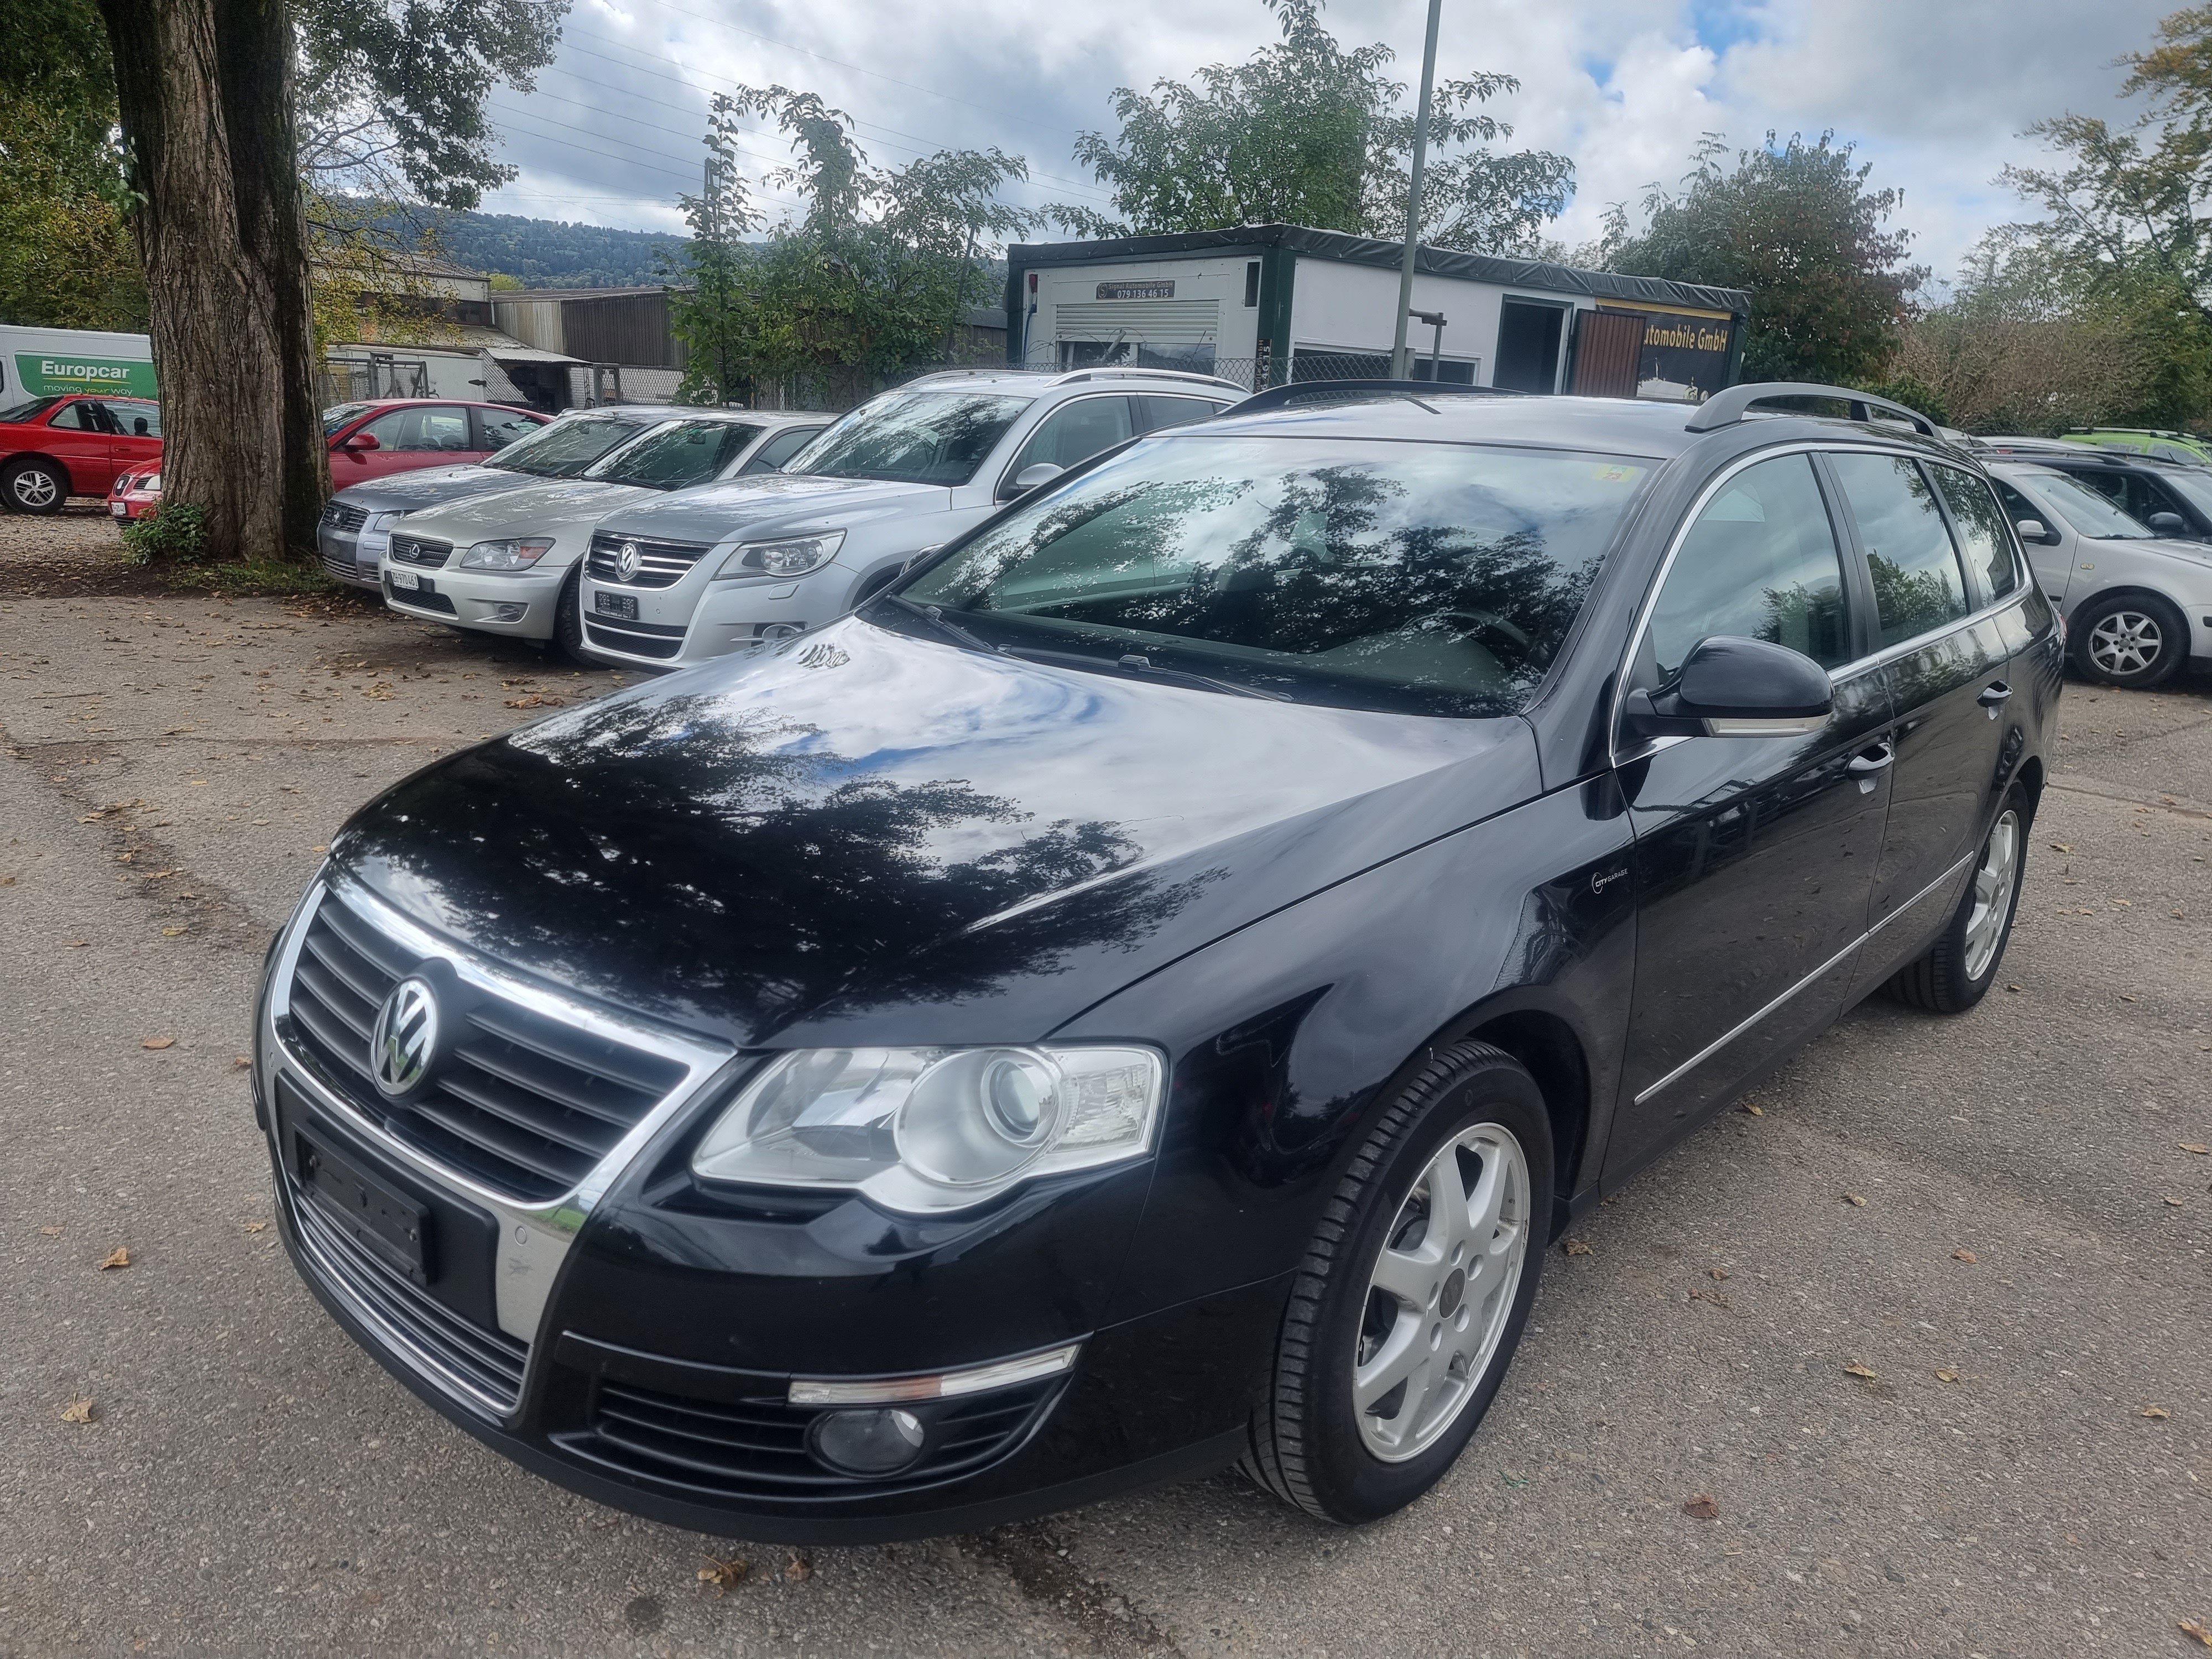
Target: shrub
pixel 174 533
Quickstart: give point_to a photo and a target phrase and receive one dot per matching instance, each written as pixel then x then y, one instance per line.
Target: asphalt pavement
pixel 1924 1325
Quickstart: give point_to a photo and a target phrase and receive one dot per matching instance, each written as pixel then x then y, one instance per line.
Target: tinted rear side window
pixel 1918 583
pixel 1981 529
pixel 1760 563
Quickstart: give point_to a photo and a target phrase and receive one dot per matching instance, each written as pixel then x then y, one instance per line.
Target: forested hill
pixel 550 253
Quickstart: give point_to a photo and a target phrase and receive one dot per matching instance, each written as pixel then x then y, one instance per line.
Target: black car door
pixel 1945 662
pixel 1754 855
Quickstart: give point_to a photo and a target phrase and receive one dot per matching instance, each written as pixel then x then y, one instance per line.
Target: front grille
pixel 756 1448
pixel 634 637
pixel 420 599
pixel 487 1363
pixel 659 564
pixel 418 550
pixel 341 515
pixel 345 569
pixel 525 1105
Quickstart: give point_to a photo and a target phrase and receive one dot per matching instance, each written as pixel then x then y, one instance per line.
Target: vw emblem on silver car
pixel 405 1036
pixel 626 562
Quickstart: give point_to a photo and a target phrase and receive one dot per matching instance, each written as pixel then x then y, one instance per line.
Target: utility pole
pixel 1400 369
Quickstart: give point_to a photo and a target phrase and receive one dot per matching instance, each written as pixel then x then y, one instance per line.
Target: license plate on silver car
pixel 407 579
pixel 616 605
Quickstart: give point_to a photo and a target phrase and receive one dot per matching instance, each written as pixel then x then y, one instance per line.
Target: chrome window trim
pixel 533 1237
pixel 1616 756
pixel 1745 1024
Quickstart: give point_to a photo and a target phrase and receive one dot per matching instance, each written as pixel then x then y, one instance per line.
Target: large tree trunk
pixel 205 92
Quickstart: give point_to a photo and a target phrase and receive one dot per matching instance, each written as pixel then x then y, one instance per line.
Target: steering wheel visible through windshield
pixel 1422 577
pixel 913 437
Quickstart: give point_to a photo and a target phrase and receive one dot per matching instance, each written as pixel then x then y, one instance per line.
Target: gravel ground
pixel 2025 1471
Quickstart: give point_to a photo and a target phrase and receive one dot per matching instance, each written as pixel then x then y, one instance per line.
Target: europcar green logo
pixel 45 373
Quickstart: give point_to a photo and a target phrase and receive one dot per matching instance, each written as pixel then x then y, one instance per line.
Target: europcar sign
pixel 44 374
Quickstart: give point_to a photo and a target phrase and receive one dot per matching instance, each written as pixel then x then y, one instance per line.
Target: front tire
pixel 34 486
pixel 568 619
pixel 2135 641
pixel 1959 968
pixel 1410 1301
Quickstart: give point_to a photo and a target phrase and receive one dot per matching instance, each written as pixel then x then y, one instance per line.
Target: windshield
pixel 675 456
pixel 1422 578
pixel 30 411
pixel 2089 513
pixel 338 414
pixel 564 449
pixel 913 437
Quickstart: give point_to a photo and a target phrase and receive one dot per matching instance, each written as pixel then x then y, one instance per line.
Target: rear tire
pixel 34 486
pixel 1959 968
pixel 568 619
pixel 1402 1321
pixel 2135 641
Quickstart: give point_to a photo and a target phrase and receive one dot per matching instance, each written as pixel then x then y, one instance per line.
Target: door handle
pixel 1993 697
pixel 1868 761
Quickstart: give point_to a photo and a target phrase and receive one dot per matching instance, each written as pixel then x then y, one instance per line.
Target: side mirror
pixel 361 441
pixel 2035 531
pixel 2169 524
pixel 1030 477
pixel 1736 688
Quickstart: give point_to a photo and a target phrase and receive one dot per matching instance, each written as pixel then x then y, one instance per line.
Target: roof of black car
pixel 1613 425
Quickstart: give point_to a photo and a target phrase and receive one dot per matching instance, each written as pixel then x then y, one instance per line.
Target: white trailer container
pixel 39 362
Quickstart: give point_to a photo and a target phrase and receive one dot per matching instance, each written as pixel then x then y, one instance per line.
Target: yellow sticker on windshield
pixel 1616 474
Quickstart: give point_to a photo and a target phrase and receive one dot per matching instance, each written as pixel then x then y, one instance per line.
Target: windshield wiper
pixel 936 618
pixel 1142 667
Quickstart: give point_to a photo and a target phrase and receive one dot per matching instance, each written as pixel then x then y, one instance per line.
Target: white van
pixel 39 363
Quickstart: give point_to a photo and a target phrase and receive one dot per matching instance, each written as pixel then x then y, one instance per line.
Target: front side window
pixel 442 426
pixel 779 447
pixel 913 437
pixel 1436 579
pixel 1918 583
pixel 137 420
pixel 1981 530
pixel 561 449
pixel 676 456
pixel 2079 508
pixel 1075 432
pixel 1760 563
pixel 498 428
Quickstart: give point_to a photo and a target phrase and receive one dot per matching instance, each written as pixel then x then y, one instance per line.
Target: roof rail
pixel 1117 372
pixel 1731 403
pixel 1303 391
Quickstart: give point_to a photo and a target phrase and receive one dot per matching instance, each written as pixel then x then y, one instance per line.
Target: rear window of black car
pixel 1422 578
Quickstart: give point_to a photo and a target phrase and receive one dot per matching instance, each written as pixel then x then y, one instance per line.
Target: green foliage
pixel 1307 132
pixel 175 532
pixel 537 252
pixel 1903 386
pixel 1796 226
pixel 865 283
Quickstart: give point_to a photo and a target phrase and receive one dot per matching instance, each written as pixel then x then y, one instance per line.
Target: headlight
pixel 152 483
pixel 794 557
pixel 383 520
pixel 505 555
pixel 926 1130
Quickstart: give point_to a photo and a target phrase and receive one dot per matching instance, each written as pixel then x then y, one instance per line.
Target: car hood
pixel 546 505
pixel 428 486
pixel 775 502
pixel 868 836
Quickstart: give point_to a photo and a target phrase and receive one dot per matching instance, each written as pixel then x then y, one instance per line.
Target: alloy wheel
pixel 1441 1292
pixel 33 489
pixel 1993 883
pixel 2126 642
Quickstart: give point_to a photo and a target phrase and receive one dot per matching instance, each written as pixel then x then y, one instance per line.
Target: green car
pixel 2146 441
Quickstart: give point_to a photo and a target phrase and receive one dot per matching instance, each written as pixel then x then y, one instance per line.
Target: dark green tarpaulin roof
pixel 1507 272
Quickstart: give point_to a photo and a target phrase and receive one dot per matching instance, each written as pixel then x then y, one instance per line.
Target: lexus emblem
pixel 405 1036
pixel 626 562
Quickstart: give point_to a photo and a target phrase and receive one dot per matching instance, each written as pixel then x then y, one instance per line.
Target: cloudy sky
pixel 1933 92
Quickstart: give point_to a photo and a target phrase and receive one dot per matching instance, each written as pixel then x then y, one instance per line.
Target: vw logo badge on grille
pixel 626 562
pixel 405 1036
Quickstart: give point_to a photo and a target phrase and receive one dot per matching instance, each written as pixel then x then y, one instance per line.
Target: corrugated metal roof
pixel 1506 271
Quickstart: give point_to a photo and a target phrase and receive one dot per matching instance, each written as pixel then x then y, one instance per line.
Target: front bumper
pixel 520 603
pixel 634 1340
pixel 340 561
pixel 698 619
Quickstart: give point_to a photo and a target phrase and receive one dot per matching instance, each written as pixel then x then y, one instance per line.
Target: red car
pixel 53 449
pixel 138 492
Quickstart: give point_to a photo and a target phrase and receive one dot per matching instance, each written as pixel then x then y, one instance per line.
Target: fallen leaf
pixel 171 932
pixel 240 1062
pixel 54 1232
pixel 1718 1273
pixel 535 700
pixel 2012 987
pixel 318 849
pixel 157 1043
pixel 1854 1200
pixel 1965 1256
pixel 257 1226
pixel 2062 846
pixel 77 1411
pixel 2175 1202
pixel 1579 1247
pixel 798 1569
pixel 1702 1508
pixel 2155 1411
pixel 1754 1111
pixel 2191 1146
pixel 723 1574
pixel 117 1257
pixel 2203 1636
pixel 1857 1369
pixel 1946 1377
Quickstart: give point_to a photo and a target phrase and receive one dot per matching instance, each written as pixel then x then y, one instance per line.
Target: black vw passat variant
pixel 1145 992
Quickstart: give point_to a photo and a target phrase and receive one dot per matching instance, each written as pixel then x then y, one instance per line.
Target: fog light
pixel 506 612
pixel 867 1442
pixel 782 630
